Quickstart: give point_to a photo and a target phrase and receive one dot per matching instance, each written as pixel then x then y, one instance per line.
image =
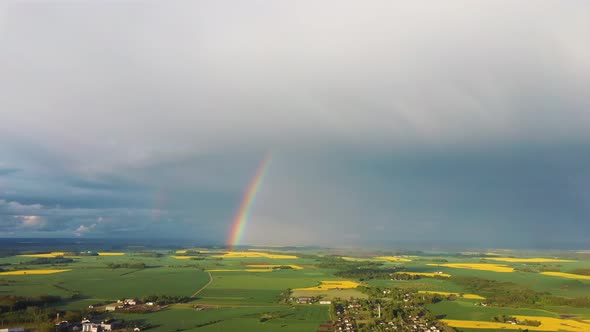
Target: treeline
pixel 367 273
pixel 337 263
pixel 510 319
pixel 49 260
pixel 436 260
pixel 505 293
pixel 134 265
pixel 165 299
pixel 15 303
pixel 37 312
pixel 152 254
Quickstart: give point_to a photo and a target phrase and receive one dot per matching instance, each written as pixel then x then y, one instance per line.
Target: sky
pixel 390 123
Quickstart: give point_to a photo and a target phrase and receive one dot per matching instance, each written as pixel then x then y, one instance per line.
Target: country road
pixel 206 285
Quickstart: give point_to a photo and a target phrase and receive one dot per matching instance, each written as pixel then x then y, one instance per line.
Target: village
pixel 386 310
pixel 98 322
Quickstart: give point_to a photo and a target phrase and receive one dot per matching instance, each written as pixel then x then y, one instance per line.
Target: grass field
pixel 91 277
pixel 246 318
pixel 466 310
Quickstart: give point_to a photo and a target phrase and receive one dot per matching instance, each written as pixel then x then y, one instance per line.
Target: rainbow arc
pixel 241 217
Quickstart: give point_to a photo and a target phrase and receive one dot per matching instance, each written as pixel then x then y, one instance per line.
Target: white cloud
pixel 31 221
pixel 81 230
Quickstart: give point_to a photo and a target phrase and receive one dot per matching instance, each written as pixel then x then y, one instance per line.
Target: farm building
pixel 109 325
pixel 325 302
pixel 90 327
pixel 110 308
pixel 304 300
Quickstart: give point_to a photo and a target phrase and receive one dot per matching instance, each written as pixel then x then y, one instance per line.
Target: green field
pixel 288 318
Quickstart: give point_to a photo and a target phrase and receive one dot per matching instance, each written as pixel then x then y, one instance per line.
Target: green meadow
pixel 245 318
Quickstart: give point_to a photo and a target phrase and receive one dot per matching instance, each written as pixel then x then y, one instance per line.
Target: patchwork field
pixel 247 288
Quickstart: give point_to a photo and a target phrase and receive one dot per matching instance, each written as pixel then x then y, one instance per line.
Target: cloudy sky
pixel 389 122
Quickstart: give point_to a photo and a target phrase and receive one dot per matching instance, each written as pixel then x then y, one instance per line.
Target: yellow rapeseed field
pixel 356 259
pixel 393 258
pixel 237 270
pixel 478 266
pixel 566 275
pixel 547 324
pixel 465 296
pixel 254 254
pixel 294 267
pixel 28 272
pixel 528 260
pixel 332 284
pixel 111 253
pixel 181 251
pixel 427 274
pixel 49 255
pixel 558 324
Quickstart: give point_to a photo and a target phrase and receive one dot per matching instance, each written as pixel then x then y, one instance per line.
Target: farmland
pixel 258 290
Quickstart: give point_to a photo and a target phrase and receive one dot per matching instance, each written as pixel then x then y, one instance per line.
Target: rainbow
pixel 241 217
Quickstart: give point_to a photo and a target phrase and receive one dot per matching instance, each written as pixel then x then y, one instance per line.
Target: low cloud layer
pixel 387 121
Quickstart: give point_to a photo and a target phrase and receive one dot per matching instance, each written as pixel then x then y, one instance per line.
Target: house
pixel 325 302
pixel 109 325
pixel 90 327
pixel 110 308
pixel 137 329
pixel 149 303
pixel 304 300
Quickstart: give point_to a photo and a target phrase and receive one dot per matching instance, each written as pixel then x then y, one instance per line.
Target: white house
pixel 90 327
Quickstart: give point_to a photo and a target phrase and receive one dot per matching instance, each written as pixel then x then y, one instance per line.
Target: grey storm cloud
pixel 156 114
